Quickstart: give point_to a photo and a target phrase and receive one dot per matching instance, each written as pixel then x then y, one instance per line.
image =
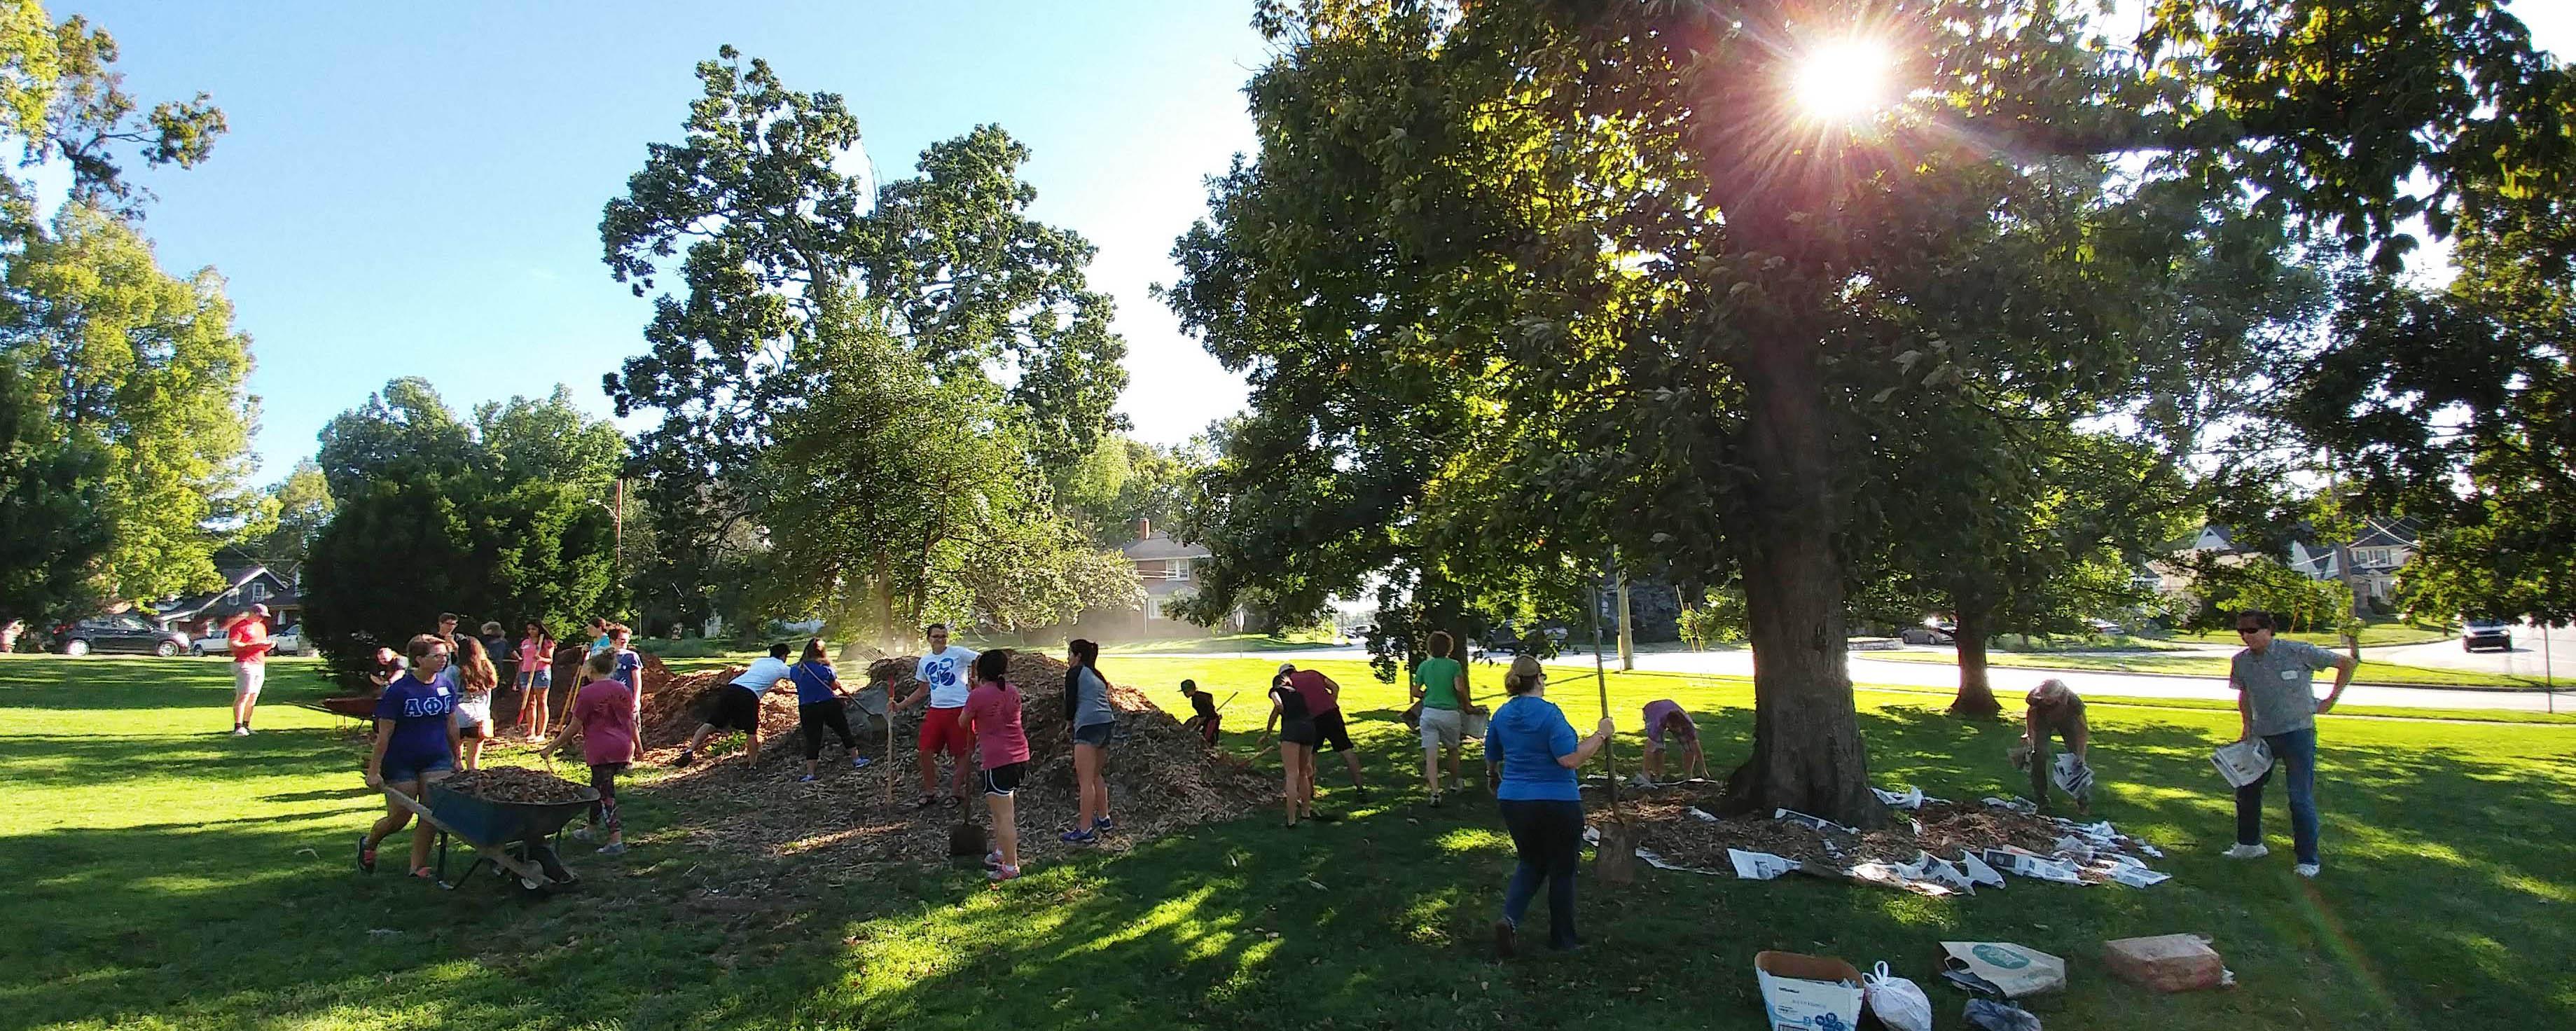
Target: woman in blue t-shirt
pixel 1533 744
pixel 819 709
pixel 416 743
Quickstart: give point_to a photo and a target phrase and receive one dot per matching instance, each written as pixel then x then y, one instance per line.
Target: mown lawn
pixel 2216 666
pixel 165 875
pixel 2373 634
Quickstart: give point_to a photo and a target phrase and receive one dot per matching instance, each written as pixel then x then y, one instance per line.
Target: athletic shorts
pixel 1298 732
pixel 1096 735
pixel 944 730
pixel 1004 780
pixel 248 678
pixel 1443 728
pixel 1331 735
pixel 735 708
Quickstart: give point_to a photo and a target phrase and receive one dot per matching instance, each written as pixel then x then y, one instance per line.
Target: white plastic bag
pixel 1898 1002
pixel 2244 762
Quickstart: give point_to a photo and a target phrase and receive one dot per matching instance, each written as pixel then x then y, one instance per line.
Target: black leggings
pixel 817 717
pixel 603 779
pixel 1548 836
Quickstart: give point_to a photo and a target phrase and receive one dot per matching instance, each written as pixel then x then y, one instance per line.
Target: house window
pixel 256 592
pixel 1180 569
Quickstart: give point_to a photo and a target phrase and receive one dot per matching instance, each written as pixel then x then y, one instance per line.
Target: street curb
pixel 2356 682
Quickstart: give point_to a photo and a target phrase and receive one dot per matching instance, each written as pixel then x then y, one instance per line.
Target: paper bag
pixel 2014 971
pixel 1808 993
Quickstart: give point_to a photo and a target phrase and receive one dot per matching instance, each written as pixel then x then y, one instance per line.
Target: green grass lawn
pixel 165 875
pixel 1300 640
pixel 2373 634
pixel 2216 666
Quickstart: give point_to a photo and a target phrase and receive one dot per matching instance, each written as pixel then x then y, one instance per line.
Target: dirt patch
pixel 1160 777
pixel 1944 829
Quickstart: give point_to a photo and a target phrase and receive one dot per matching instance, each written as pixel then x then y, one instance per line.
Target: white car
pixel 289 641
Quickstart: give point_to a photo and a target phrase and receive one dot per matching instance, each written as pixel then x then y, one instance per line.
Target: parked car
pixel 2105 627
pixel 124 632
pixel 2487 633
pixel 289 641
pixel 1943 632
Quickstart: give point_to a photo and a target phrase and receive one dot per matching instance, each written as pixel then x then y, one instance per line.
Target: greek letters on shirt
pixel 435 705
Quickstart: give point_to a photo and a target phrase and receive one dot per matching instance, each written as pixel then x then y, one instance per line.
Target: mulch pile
pixel 1941 828
pixel 1161 778
pixel 516 784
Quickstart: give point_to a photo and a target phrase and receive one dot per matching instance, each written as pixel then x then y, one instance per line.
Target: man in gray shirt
pixel 2276 699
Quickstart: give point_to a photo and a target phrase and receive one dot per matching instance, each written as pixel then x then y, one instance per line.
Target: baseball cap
pixel 1287 667
pixel 259 610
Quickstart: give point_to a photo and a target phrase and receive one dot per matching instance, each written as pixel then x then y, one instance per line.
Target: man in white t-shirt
pixel 736 706
pixel 944 674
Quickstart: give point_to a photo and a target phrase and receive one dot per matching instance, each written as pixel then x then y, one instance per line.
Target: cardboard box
pixel 1808 993
pixel 2167 962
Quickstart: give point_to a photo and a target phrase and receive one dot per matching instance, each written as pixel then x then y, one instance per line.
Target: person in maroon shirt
pixel 1324 705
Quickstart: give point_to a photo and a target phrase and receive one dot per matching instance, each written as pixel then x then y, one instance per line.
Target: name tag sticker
pixel 2289 674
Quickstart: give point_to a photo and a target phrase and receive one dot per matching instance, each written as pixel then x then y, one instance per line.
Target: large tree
pixel 777 246
pixel 1607 241
pixel 500 518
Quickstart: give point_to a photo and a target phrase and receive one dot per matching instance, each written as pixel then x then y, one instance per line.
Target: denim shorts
pixel 1096 735
pixel 397 773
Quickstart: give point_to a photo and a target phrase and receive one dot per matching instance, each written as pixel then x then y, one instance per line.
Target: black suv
pixel 121 633
pixel 2487 633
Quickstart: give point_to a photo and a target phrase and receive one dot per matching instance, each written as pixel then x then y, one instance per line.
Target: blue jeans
pixel 1548 835
pixel 2294 753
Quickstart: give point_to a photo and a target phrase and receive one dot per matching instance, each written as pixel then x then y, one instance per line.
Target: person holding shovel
pixel 474 679
pixel 942 673
pixel 415 744
pixel 1203 714
pixel 2054 709
pixel 736 706
pixel 819 709
pixel 2276 699
pixel 1542 805
pixel 1439 686
pixel 604 718
pixel 993 714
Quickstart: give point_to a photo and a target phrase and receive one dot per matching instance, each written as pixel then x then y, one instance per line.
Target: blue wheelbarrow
pixel 518 838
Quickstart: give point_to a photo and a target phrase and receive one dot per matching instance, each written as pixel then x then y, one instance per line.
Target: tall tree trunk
pixel 1807 752
pixel 1976 696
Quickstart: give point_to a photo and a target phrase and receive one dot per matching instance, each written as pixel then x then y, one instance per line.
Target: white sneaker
pixel 2305 869
pixel 241 731
pixel 2244 851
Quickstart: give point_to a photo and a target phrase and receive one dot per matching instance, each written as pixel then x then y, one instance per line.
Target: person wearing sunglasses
pixel 2276 700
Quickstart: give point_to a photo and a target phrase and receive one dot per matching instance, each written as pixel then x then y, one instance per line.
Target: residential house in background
pixel 2383 547
pixel 1166 568
pixel 201 615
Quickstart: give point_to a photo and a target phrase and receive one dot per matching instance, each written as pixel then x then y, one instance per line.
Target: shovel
pixel 1615 859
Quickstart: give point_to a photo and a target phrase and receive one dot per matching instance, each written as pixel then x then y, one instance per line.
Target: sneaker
pixel 685 757
pixel 1506 939
pixel 426 874
pixel 1435 801
pixel 953 801
pixel 241 730
pixel 1000 873
pixel 926 802
pixel 581 834
pixel 614 848
pixel 993 859
pixel 366 855
pixel 2306 869
pixel 858 762
pixel 1104 824
pixel 2245 851
pixel 1359 792
pixel 1078 837
pixel 807 779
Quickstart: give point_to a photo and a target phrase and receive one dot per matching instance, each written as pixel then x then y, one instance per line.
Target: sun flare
pixel 1844 80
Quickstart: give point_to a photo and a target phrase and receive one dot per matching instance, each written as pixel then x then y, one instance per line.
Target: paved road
pixel 2536 652
pixel 2013 680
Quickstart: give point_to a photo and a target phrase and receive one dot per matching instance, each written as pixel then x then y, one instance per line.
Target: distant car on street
pixel 2487 633
pixel 1943 632
pixel 2105 627
pixel 289 641
pixel 124 632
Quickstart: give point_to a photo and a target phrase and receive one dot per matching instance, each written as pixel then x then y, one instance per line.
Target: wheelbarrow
pixel 519 838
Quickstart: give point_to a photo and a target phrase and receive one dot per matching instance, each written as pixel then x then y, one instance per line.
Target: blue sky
pixel 415 189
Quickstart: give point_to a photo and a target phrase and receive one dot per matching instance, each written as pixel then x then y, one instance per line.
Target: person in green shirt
pixel 1440 687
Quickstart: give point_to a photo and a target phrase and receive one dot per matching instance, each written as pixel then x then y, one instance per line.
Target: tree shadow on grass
pixel 104 684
